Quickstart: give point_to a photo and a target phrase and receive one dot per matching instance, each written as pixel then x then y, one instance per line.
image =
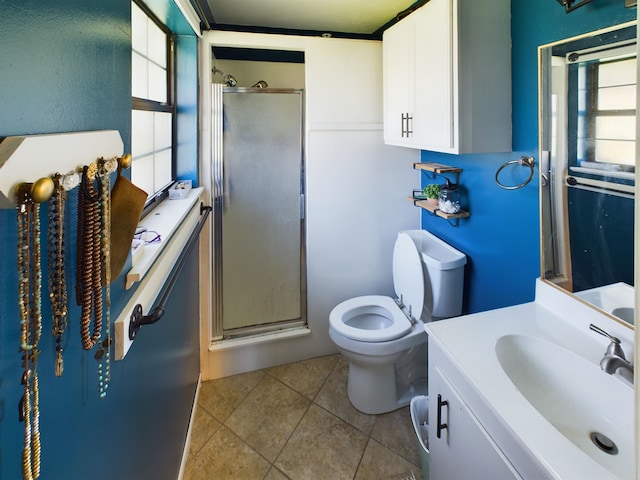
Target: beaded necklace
pixel 103 354
pixel 56 256
pixel 29 304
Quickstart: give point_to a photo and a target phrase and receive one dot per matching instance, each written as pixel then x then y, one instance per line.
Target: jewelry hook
pixel 126 160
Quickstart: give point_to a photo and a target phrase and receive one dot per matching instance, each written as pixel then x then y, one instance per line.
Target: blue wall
pixel 65 66
pixel 501 238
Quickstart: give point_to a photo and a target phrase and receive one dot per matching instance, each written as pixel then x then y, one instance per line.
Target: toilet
pixel 384 338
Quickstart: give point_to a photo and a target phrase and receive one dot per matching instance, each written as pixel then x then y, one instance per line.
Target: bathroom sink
pixel 592 409
pixel 625 313
pixel 616 299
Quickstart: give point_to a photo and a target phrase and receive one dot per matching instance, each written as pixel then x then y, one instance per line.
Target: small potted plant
pixel 431 191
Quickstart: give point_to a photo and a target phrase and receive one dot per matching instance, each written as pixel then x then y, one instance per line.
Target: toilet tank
pixel 444 275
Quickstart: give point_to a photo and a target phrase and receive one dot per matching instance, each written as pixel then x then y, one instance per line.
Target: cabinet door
pixel 434 94
pixel 456 55
pixel 398 60
pixel 464 449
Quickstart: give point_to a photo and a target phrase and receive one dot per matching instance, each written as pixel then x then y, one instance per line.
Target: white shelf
pixel 31 157
pixel 165 220
pixel 175 223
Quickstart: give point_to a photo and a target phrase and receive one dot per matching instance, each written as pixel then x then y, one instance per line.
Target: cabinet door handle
pixel 409 125
pixel 404 123
pixel 441 426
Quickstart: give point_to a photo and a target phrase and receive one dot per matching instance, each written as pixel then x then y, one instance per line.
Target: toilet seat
pixel 352 317
pixel 377 318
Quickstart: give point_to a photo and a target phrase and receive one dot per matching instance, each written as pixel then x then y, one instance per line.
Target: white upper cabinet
pixel 447 77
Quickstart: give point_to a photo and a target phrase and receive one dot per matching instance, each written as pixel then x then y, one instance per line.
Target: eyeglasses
pixel 147 236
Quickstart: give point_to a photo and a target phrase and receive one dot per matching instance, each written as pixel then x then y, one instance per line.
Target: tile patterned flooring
pixel 295 422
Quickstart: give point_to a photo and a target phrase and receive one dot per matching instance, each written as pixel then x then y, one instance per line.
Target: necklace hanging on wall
pixel 56 257
pixel 89 257
pixel 29 197
pixel 103 354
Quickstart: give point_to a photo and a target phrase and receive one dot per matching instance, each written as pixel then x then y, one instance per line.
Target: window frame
pixel 582 112
pixel 170 106
pixel 593 112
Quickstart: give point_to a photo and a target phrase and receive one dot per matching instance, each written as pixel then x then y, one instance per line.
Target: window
pixel 601 117
pixel 153 106
pixel 607 111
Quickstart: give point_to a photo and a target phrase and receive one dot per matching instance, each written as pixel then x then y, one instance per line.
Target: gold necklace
pixel 56 256
pixel 29 303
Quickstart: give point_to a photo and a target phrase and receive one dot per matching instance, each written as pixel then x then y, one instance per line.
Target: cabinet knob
pixel 441 426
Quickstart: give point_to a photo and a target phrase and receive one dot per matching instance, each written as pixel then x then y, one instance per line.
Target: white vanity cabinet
pixel 447 77
pixel 464 448
pixel 511 411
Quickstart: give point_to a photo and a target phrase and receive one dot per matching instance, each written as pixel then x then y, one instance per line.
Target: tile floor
pixel 295 422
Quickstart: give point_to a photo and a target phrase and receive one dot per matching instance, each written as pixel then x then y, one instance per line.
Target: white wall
pixel 356 192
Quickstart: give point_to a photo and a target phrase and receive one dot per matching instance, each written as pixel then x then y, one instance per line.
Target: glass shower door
pixel 262 229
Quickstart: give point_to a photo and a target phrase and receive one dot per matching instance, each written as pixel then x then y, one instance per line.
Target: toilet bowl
pixel 383 338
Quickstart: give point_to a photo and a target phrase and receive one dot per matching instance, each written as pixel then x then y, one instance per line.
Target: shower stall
pixel 259 211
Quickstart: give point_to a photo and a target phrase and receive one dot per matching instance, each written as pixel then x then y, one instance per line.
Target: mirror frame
pixel 544 164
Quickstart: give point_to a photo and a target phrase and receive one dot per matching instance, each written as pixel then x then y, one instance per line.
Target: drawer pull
pixel 441 426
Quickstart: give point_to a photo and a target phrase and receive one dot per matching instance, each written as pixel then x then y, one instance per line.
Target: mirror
pixel 587 164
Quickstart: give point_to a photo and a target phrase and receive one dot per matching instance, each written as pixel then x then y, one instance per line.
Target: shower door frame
pixel 217 330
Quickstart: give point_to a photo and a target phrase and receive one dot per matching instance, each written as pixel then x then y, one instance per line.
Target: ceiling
pixel 351 18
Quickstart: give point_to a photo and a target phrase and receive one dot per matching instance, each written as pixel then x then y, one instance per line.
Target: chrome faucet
pixel 614 358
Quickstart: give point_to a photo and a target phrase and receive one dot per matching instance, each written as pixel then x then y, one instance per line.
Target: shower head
pixel 229 79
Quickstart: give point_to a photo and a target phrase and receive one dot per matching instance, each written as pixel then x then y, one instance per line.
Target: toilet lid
pixel 408 277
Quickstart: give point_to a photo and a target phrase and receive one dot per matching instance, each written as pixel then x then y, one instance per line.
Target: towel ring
pixel 524 160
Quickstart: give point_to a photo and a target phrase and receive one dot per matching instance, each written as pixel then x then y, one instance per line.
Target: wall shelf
pixel 432 170
pixel 30 157
pixel 439 213
pixel 175 221
pixel 436 168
